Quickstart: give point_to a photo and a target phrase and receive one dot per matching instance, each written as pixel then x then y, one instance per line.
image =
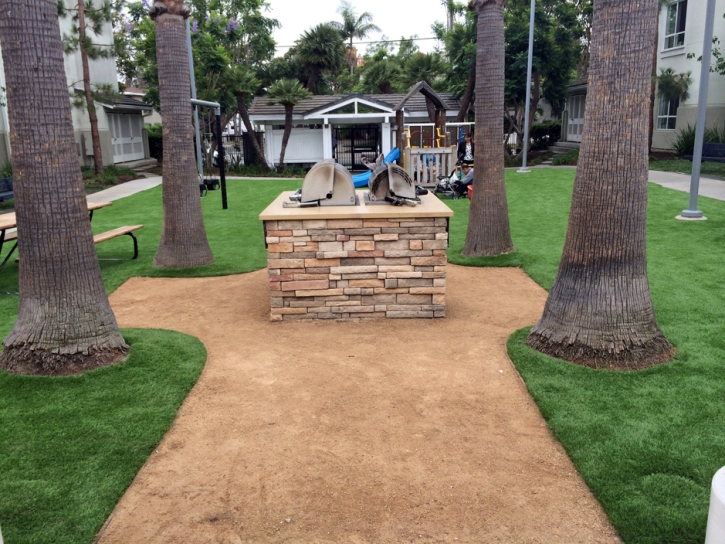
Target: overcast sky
pixel 395 18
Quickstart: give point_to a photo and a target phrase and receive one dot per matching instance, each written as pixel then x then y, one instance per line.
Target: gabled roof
pixel 415 103
pixel 426 90
pixel 349 99
pixel 579 84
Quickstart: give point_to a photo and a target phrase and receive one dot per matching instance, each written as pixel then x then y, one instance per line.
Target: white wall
pixel 305 145
pixel 677 60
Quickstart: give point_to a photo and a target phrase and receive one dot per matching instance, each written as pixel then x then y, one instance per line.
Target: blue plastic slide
pixel 361 180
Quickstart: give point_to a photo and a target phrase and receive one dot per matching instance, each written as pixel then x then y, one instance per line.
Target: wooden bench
pixel 120 231
pixel 98 238
pixel 6 189
pixel 711 153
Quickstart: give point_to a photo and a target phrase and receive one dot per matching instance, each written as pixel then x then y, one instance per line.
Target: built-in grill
pixel 391 184
pixel 326 184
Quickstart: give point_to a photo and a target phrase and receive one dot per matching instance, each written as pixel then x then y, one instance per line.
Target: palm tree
pixel 488 220
pixel 320 49
pixel 353 26
pixel 599 312
pixel 288 93
pixel 65 324
pixel 242 82
pixel 183 238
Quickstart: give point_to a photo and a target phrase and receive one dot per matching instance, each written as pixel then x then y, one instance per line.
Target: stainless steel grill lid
pixel 326 184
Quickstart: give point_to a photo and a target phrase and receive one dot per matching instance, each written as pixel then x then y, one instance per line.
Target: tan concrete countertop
pixel 431 206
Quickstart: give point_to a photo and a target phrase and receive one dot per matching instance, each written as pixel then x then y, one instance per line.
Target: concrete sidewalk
pixel 124 189
pixel 713 188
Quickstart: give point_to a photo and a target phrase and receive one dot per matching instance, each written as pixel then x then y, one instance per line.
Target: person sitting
pixel 466 149
pixel 461 187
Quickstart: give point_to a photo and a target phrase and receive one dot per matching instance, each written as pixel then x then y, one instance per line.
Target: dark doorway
pixel 351 142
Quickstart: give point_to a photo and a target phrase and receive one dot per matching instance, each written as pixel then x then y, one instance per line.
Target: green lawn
pixel 647 443
pixel 70 446
pixel 711 169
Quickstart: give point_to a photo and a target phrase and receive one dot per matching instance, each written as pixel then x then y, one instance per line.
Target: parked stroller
pixel 447 186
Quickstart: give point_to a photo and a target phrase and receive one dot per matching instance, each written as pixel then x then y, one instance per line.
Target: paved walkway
pixel 713 188
pixel 124 189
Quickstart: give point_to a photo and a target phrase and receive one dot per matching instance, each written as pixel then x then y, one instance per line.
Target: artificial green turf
pixel 647 443
pixel 70 446
pixel 235 236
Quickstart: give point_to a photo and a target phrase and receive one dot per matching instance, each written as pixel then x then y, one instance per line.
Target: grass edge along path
pixel 646 443
pixel 70 446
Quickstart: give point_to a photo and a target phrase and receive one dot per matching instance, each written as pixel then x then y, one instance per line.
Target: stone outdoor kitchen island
pixel 364 261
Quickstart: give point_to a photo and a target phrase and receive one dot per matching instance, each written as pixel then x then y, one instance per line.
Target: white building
pixel 681 31
pixel 347 127
pixel 120 125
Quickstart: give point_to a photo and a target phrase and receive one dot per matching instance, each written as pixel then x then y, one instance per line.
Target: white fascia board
pixel 268 119
pixel 352 100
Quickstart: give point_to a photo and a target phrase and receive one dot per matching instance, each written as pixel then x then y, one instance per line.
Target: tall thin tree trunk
pixel 599 312
pixel 285 135
pixel 488 218
pixel 183 238
pixel 90 103
pixel 431 110
pixel 242 107
pixel 65 324
pixel 312 81
pixel 467 97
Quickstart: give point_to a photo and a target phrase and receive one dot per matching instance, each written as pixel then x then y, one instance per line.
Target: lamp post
pixel 199 162
pixel 692 213
pixel 524 169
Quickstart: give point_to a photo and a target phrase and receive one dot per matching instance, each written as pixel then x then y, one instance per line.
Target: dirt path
pixel 385 431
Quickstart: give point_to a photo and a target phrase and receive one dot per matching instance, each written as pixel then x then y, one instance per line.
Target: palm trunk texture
pixel 467 97
pixel 599 312
pixel 183 238
pixel 488 219
pixel 65 324
pixel 90 103
pixel 242 107
pixel 285 135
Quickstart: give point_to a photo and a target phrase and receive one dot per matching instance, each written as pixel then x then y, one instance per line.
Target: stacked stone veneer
pixel 357 268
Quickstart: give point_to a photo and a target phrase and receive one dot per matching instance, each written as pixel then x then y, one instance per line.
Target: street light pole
pixel 199 162
pixel 524 169
pixel 692 212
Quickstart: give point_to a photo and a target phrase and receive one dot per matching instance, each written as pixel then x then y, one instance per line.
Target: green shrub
pixel 544 134
pixel 569 158
pixel 156 142
pixel 685 139
pixel 237 168
pixel 6 171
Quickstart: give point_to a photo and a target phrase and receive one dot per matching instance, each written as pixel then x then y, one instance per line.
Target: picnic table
pixel 9 221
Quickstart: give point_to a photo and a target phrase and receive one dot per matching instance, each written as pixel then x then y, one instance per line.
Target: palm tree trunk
pixel 285 136
pixel 599 312
pixel 467 97
pixel 92 117
pixel 242 107
pixel 488 219
pixel 65 324
pixel 431 110
pixel 312 81
pixel 183 238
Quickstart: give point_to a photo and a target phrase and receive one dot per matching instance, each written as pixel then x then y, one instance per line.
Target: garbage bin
pixel 716 517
